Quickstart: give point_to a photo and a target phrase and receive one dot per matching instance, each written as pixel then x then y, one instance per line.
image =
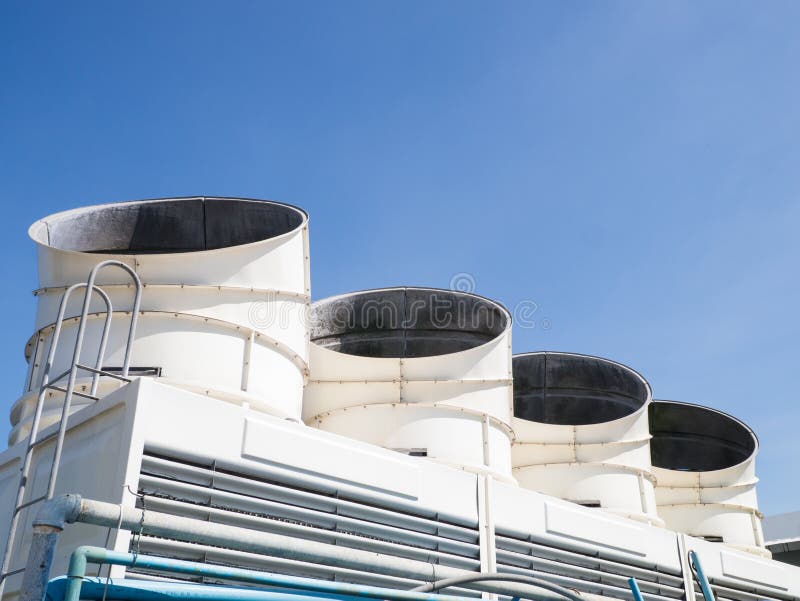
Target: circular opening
pixel 167 225
pixel 694 438
pixel 575 390
pixel 406 322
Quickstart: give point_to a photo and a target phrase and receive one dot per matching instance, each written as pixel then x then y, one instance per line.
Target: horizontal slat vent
pixel 206 491
pixel 584 569
pixel 729 590
pixel 203 491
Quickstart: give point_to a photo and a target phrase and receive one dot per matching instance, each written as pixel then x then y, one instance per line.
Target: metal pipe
pixel 40 558
pixel 637 594
pixel 101 351
pixel 75 509
pixel 82 556
pixel 50 520
pixel 702 580
pixel 244 539
pixel 98 589
pixel 494 576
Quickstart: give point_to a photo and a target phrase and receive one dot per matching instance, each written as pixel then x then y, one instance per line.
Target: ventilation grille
pixel 584 569
pixel 730 590
pixel 203 490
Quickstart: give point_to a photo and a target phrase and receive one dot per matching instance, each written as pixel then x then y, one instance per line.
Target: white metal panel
pixel 277 443
pixel 270 379
pixel 24 407
pixel 96 453
pixel 276 263
pixel 267 312
pixel 215 429
pixel 740 574
pixel 602 484
pixel 524 511
pixel 488 361
pixel 768 573
pixel 407 426
pixel 570 522
pixel 732 524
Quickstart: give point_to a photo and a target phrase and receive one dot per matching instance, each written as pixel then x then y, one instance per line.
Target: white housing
pixel 427 371
pixel 704 461
pixel 581 432
pixel 419 370
pixel 226 289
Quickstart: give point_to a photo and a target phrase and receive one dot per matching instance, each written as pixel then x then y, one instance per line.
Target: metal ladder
pixel 72 373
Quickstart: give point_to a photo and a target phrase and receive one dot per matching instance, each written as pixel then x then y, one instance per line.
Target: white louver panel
pixel 730 590
pixel 584 568
pixel 206 492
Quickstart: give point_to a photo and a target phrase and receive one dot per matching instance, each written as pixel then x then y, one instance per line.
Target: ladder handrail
pixel 137 302
pixel 70 388
pixel 57 333
pixel 76 355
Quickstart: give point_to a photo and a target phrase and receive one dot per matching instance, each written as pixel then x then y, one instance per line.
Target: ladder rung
pixel 102 373
pixel 76 393
pixel 29 503
pixel 56 379
pixel 41 441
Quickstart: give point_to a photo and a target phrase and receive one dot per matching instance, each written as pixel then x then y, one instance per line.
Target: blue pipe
pixel 705 586
pixel 82 556
pixel 637 594
pixel 96 589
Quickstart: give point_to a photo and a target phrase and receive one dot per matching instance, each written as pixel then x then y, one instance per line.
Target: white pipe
pixel 68 509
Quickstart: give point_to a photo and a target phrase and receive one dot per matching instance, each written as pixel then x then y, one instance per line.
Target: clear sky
pixel 632 168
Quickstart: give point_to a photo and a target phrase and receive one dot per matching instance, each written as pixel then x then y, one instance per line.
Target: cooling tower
pixel 704 461
pixel 225 289
pixel 423 371
pixel 582 434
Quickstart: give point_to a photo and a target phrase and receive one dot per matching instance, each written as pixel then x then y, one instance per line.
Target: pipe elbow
pixel 58 511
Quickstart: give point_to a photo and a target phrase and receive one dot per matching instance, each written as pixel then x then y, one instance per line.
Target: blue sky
pixel 632 168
